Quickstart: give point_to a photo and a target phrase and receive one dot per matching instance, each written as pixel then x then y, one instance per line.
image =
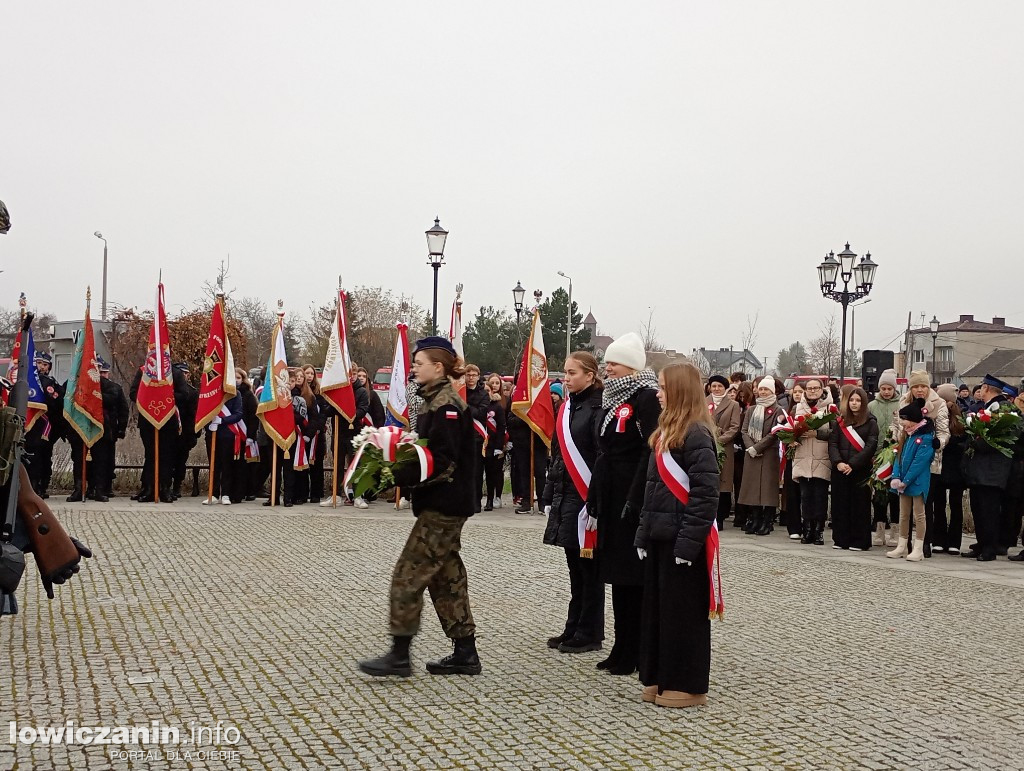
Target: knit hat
pixel 913 411
pixel 946 392
pixel 718 379
pixel 628 351
pixel 888 377
pixel 767 382
pixel 556 388
pixel 439 343
pixel 919 377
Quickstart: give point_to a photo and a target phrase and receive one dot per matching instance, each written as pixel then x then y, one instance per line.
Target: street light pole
pixel 103 306
pixel 863 276
pixel 568 321
pixel 933 325
pixel 853 323
pixel 436 238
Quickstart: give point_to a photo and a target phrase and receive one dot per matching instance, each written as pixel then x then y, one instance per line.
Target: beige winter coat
pixel 811 458
pixel 938 411
pixel 727 419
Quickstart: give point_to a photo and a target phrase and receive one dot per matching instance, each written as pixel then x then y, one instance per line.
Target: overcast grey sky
pixel 696 157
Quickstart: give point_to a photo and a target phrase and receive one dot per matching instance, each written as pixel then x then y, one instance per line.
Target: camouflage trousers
pixel 431 561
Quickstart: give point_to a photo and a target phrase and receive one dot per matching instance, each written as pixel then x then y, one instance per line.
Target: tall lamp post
pixel 436 238
pixel 568 319
pixel 103 306
pixel 863 276
pixel 518 293
pixel 933 325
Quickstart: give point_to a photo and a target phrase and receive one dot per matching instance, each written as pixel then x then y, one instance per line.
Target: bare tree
pixel 649 333
pixel 749 338
pixel 823 351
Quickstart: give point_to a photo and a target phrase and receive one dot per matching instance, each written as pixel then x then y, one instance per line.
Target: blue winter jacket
pixel 913 464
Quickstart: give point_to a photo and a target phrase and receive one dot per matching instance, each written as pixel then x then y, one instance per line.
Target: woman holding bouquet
pixel 577 426
pixel 442 499
pixel 790 489
pixel 674 539
pixel 812 469
pixel 630 403
pixel 851 448
pixel 760 487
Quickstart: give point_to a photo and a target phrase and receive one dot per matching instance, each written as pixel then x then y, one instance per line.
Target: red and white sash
pixel 579 471
pixel 884 471
pixel 480 428
pixel 300 458
pixel 252 451
pixel 238 430
pixel 678 483
pixel 851 435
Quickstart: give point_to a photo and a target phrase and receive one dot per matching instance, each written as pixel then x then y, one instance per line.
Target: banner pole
pixel 156 465
pixel 213 464
pixel 273 475
pixel 337 465
pixel 532 496
pixel 398 497
pixel 85 467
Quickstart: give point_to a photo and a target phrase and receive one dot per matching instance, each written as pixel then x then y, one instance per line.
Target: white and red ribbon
pixel 578 470
pixel 237 429
pixel 388 439
pixel 851 435
pixel 884 471
pixel 622 415
pixel 678 483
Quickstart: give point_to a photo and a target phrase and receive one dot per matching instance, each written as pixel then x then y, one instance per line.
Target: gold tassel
pixel 88 454
pixel 286 455
pixel 587 553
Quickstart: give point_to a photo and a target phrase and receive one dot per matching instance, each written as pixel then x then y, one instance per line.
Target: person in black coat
pixel 851 467
pixel 316 432
pixel 374 406
pixel 442 500
pixel 47 429
pixel 348 429
pixel 675 635
pixel 494 462
pixel 566 507
pixel 222 441
pixel 479 400
pixel 115 424
pixel 631 410
pixel 188 405
pixel 247 477
pixel 168 437
pixel 946 535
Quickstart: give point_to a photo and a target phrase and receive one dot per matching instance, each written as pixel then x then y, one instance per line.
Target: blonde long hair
pixel 684 407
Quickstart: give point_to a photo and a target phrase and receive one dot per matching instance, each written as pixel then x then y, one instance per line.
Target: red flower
pixel 801 418
pixel 814 410
pixel 985 417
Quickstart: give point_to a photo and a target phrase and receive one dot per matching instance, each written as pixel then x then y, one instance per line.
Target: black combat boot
pixel 394 662
pixel 808 533
pixel 462 661
pixel 819 535
pixel 766 525
pixel 176 489
pixel 753 523
pixel 75 496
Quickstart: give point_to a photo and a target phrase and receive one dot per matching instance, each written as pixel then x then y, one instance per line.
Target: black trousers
pixel 478 469
pixel 794 521
pixel 947 533
pixel 182 449
pixel 285 477
pixel 494 468
pixel 986 505
pixel 724 507
pixel 887 508
pixel 521 452
pixel 38 459
pixel 1010 521
pixel 168 438
pixel 224 464
pixel 675 631
pixel 101 467
pixel 316 469
pixel 627 605
pixel 851 512
pixel 585 620
pixel 814 501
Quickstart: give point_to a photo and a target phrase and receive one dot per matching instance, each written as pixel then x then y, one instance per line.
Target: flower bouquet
pixel 790 432
pixel 379 451
pixel 881 468
pixel 999 426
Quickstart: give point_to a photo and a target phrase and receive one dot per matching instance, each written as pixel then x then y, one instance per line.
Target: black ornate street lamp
pixel 933 325
pixel 436 238
pixel 845 268
pixel 518 293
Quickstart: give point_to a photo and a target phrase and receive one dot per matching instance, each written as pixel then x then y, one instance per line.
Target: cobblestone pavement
pixel 255 618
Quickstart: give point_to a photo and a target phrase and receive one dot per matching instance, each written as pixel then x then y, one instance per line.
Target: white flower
pixel 970 418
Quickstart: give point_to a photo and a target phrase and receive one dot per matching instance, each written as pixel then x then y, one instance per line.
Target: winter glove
pixel 83 551
pixel 591 523
pixel 936 444
pixel 752 452
pixel 547 510
pixel 215 422
pixel 897 485
pixel 681 561
pixel 641 553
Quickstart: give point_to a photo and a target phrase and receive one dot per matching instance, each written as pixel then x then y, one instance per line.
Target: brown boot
pixel 649 694
pixel 680 699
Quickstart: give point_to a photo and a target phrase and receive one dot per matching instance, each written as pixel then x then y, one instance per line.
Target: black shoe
pixel 489 506
pixel 165 497
pixel 250 497
pixel 176 490
pixel 75 497
pixel 554 642
pixel 524 509
pixel 578 645
pixel 1017 557
pixel 766 527
pixel 287 504
pixel 819 539
pixel 1002 551
pixel 927 551
pixel 752 524
pixel 612 660
pixel 808 535
pixel 311 500
pixel 44 495
pixel 461 661
pixel 268 502
pixel 394 662
pixel 90 494
pixel 969 555
pixel 986 556
pixel 101 498
pixel 626 666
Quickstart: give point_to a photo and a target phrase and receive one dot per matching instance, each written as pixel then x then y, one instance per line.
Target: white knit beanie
pixel 767 382
pixel 888 377
pixel 628 351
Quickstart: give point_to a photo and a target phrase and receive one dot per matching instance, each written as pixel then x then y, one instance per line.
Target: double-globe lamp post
pixel 844 268
pixel 436 238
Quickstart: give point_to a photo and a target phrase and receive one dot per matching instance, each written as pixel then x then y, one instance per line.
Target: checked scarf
pixel 619 389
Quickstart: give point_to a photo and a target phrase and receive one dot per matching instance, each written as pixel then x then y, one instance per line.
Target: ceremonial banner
pixel 531 399
pixel 217 383
pixel 275 407
pixel 335 385
pixel 36 398
pixel 155 398
pixel 398 402
pixel 83 401
pixel 455 336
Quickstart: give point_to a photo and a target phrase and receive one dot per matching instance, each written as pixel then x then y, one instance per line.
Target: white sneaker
pixel 497 503
pixel 328 502
pixel 402 504
pixel 209 501
pixel 953 550
pixel 856 548
pixel 836 546
pixel 794 536
pixel 359 503
pixel 226 500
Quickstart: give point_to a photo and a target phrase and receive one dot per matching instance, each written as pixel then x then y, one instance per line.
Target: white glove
pixel 215 422
pixel 547 510
pixel 681 561
pixel 752 452
pixel 641 553
pixel 591 523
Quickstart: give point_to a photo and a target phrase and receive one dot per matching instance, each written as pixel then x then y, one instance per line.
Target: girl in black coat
pixel 494 462
pixel 631 410
pixel 851 467
pixel 675 636
pixel 584 626
pixel 316 430
pixel 947 535
pixel 247 479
